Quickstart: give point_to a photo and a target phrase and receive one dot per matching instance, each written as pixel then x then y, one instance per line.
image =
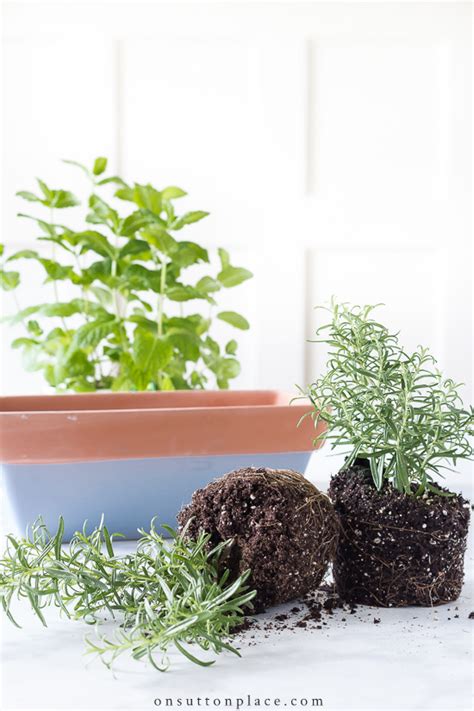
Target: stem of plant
pixel 53 253
pixel 15 301
pixel 161 298
pixel 161 301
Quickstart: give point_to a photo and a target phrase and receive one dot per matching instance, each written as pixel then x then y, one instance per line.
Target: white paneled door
pixel 331 142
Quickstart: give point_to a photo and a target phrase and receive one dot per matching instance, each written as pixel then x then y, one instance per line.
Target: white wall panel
pixel 381 123
pixel 331 144
pixel 192 115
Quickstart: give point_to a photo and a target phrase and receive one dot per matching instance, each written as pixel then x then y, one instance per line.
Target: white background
pixel 331 142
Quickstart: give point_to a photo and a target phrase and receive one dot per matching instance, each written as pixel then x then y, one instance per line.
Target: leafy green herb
pixel 393 408
pixel 162 596
pixel 129 325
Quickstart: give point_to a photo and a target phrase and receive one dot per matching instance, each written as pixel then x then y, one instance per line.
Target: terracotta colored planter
pixel 133 456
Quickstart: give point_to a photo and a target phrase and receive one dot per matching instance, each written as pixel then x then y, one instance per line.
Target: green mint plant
pixel 161 597
pixel 392 408
pixel 126 328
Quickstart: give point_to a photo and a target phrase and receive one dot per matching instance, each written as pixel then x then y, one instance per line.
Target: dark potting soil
pixel 322 610
pixel 282 528
pixel 312 613
pixel 396 550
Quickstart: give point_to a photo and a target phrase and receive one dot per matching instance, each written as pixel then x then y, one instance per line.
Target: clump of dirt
pixel 396 549
pixel 282 527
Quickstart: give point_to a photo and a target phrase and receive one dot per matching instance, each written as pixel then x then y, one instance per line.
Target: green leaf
pixel 148 197
pixel 136 276
pixel 124 193
pixel 31 197
pixel 189 253
pixel 232 276
pixel 57 272
pixel 188 219
pixel 20 342
pixel 168 208
pixel 212 345
pixel 48 194
pixel 194 323
pixel 115 179
pixel 63 198
pixel 224 257
pixel 376 469
pixel 90 240
pixel 182 292
pixel 439 492
pixel 51 198
pixel 9 280
pixel 31 355
pixel 135 222
pixel 34 328
pixel 186 342
pixel 208 285
pixel 93 332
pixel 150 352
pixel 100 164
pixel 77 364
pixel 62 310
pixel 234 319
pixel 159 238
pixel 135 247
pixel 231 347
pixel 228 368
pixel 172 192
pixel 23 254
pixel 101 270
pixel 102 213
pixel 143 321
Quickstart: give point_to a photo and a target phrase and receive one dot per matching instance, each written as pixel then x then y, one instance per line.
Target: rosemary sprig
pixel 162 596
pixel 393 408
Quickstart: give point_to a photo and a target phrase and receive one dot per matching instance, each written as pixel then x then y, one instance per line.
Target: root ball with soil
pixel 396 550
pixel 282 528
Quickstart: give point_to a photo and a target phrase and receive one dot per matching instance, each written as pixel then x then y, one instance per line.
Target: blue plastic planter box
pixel 133 456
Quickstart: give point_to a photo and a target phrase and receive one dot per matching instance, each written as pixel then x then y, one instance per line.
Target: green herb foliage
pixel 388 406
pixel 162 596
pixel 129 326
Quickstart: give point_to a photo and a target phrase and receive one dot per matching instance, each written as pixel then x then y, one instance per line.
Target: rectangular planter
pixel 133 456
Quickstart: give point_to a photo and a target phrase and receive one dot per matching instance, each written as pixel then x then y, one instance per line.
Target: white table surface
pixel 414 659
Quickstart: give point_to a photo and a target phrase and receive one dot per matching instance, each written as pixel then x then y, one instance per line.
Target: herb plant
pixel 392 408
pixel 162 596
pixel 126 327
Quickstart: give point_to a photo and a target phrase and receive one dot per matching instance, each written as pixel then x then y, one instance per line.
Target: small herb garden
pixel 403 534
pixel 258 537
pixel 125 328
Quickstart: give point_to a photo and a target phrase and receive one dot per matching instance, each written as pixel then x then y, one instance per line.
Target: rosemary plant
pixel 392 408
pixel 162 596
